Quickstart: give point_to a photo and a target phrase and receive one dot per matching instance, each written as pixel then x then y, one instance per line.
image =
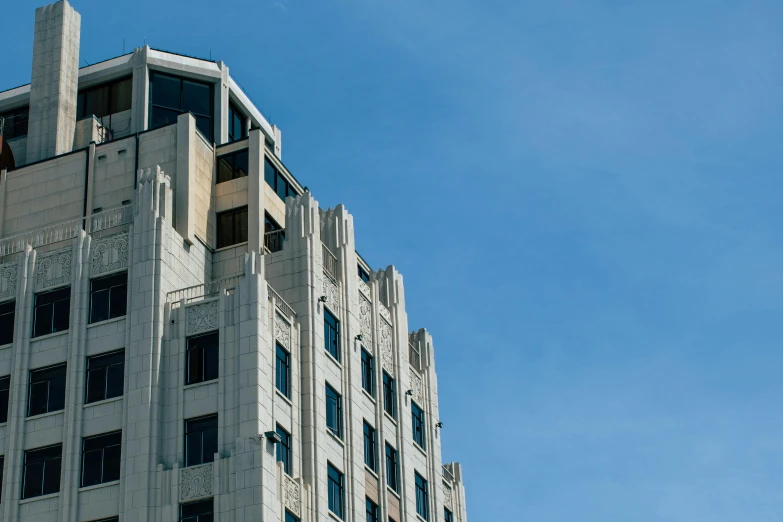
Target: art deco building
pixel 184 333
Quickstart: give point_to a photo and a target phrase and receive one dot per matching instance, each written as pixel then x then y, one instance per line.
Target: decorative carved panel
pixel 195 482
pixel 330 291
pixel 447 496
pixel 385 313
pixel 364 288
pixel 292 495
pixel 110 254
pixel 8 281
pixel 387 347
pixel 202 317
pixel 282 331
pixel 418 393
pixel 365 319
pixel 53 269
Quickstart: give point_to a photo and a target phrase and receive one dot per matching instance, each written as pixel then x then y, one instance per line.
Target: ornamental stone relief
pixel 364 287
pixel 282 331
pixel 292 496
pixel 8 280
pixel 330 291
pixel 195 482
pixel 418 393
pixel 110 254
pixel 387 347
pixel 365 320
pixel 447 496
pixel 53 269
pixel 385 313
pixel 202 317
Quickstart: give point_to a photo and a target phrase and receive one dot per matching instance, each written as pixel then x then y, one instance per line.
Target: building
pixel 184 333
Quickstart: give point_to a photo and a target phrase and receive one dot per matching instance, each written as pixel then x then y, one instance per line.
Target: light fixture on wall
pixel 409 393
pixel 358 338
pixel 273 437
pixel 439 424
pixel 322 299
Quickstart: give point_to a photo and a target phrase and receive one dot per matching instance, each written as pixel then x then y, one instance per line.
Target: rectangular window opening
pixel 202 358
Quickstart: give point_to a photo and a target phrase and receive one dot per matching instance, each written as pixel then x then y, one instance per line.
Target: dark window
pixel 448 516
pixel 171 96
pixel 275 179
pixel 284 449
pixel 52 312
pixel 107 98
pixel 332 334
pixel 232 227
pixel 47 390
pixel 363 274
pixel 105 376
pixel 368 372
pixel 108 297
pixel 289 517
pixel 7 322
pixel 417 415
pixel 274 234
pixel 392 468
pixel 422 498
pixel 372 511
pixel 202 358
pixel 232 166
pixel 201 511
pixel 389 395
pixel 2 472
pixel 5 387
pixel 370 447
pixel 336 495
pixel 41 475
pixel 334 411
pixel 237 123
pixel 15 123
pixel 200 440
pixel 283 371
pixel 101 458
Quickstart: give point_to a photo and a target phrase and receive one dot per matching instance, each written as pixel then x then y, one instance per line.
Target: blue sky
pixel 584 198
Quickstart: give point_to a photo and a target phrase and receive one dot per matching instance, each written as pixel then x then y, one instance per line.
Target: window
pixel 108 297
pixel 105 376
pixel 200 511
pixel 202 358
pixel 275 179
pixel 7 322
pixel 52 312
pixel 232 227
pixel 237 123
pixel 200 440
pixel 422 498
pixel 290 517
pixel 274 234
pixel 5 386
pixel 46 390
pixel 448 516
pixel 336 497
pixel 372 511
pixel 284 449
pixel 389 395
pixel 283 370
pixel 363 274
pixel 334 411
pixel 392 468
pixel 171 96
pixel 2 466
pixel 332 334
pixel 101 458
pixel 233 166
pixel 368 372
pixel 418 425
pixel 105 99
pixel 15 123
pixel 41 475
pixel 370 447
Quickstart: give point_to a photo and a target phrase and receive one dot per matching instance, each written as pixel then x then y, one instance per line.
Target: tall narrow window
pixel 282 370
pixel 363 274
pixel 41 474
pixel 422 497
pixel 389 395
pixel 46 391
pixel 392 468
pixel 232 166
pixel 108 297
pixel 284 449
pixel 171 96
pixel 199 511
pixel 237 123
pixel 372 511
pixel 448 516
pixel 336 494
pixel 7 316
pixel 5 389
pixel 368 372
pixel 200 440
pixel 370 447
pixel 232 227
pixel 105 376
pixel 52 312
pixel 101 458
pixel 202 358
pixel 417 415
pixel 332 334
pixel 2 473
pixel 334 411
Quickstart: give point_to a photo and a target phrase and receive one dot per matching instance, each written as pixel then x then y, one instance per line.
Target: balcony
pixel 273 241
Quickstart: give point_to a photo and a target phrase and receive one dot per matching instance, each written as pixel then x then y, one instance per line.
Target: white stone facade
pixel 145 205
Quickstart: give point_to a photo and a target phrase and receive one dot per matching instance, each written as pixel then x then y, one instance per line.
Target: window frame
pixel 335 490
pixel 90 371
pixel 371 510
pixel 20 122
pixel 363 274
pixel 197 503
pixel 116 284
pixel 448 515
pixel 236 235
pixel 38 307
pixel 231 159
pixel 102 449
pixel 49 392
pixel 368 372
pixel 332 335
pixel 422 496
pixel 7 315
pixel 205 351
pixel 389 395
pixel 283 451
pixel 419 425
pixel 5 398
pixel 392 468
pixel 110 86
pixel 338 407
pixel 282 370
pixel 233 111
pixel 275 179
pixel 180 110
pixel 25 469
pixel 370 446
pixel 203 459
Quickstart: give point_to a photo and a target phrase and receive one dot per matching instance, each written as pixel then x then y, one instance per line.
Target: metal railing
pixel 199 291
pixel 273 241
pixel 66 230
pixel 329 262
pixel 280 302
